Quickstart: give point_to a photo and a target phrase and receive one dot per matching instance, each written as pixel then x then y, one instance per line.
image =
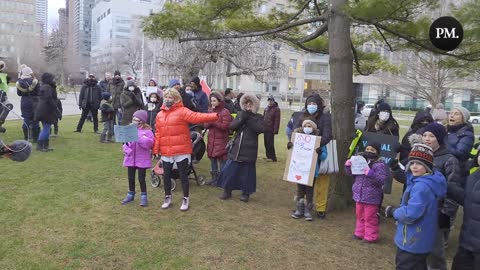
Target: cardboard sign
pixel 389 148
pixel 302 159
pixel 125 134
pixel 150 89
pixel 359 164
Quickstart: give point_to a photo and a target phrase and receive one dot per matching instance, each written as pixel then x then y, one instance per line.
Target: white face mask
pixel 383 116
pixel 131 88
pixel 135 122
pixel 308 130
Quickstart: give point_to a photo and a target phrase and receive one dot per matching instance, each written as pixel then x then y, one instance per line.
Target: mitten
pixel 394 164
pixel 289 145
pixel 389 211
pixel 348 163
pixel 319 150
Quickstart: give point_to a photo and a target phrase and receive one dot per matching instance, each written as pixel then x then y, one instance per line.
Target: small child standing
pixel 308 127
pixel 106 108
pixel 417 216
pixel 138 157
pixel 367 193
pixel 153 106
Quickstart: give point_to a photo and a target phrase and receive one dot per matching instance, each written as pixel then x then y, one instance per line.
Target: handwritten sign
pixel 125 134
pixel 359 164
pixel 302 159
pixel 389 148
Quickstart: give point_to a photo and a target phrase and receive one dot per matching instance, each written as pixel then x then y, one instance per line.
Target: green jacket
pixel 3 82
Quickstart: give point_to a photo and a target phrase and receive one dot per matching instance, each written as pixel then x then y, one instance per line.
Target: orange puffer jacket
pixel 172 136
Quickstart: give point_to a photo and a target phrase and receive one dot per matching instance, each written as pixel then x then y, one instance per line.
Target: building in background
pixel 41 16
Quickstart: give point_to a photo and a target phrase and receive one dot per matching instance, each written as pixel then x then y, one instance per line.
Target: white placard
pixel 302 159
pixel 359 164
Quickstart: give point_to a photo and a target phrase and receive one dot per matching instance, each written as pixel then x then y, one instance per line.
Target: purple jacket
pixel 369 188
pixel 138 154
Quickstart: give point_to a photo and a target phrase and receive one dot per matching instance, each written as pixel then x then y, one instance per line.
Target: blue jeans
pixel 45 133
pixel 217 164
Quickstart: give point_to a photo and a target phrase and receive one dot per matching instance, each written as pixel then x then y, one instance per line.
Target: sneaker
pixel 185 203
pixel 167 202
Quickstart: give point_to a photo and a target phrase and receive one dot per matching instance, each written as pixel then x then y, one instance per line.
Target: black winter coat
pixel 323 121
pixel 247 126
pixel 90 95
pixel 152 109
pixel 271 118
pixel 230 106
pixel 131 102
pixel 469 197
pixel 46 110
pixel 416 127
pixel 449 166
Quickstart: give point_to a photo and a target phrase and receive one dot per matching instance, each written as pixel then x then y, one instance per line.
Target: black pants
pixel 466 260
pixel 141 178
pixel 183 169
pixel 303 190
pixel 84 116
pixel 408 261
pixel 268 139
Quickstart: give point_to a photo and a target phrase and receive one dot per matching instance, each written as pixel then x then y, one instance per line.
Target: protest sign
pixel 302 159
pixel 359 164
pixel 125 134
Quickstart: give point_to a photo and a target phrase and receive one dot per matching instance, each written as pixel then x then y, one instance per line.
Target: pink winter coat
pixel 138 154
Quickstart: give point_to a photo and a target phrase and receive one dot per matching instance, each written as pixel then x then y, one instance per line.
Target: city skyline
pixel 53 6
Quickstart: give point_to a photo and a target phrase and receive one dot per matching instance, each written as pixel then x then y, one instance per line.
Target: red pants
pixel 367 221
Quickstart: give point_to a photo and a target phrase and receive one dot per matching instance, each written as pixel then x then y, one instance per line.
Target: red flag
pixel 205 87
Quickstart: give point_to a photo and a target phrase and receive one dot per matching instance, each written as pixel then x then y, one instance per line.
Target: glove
pixel 319 150
pixel 389 211
pixel 443 221
pixel 289 145
pixel 348 163
pixel 394 164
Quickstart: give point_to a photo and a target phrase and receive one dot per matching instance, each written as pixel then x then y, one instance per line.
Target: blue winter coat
pixel 28 89
pixel 460 142
pixel 201 100
pixel 417 216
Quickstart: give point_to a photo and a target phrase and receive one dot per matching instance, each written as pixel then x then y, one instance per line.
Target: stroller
pixel 198 151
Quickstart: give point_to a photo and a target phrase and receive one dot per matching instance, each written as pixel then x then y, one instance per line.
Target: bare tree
pixel 55 53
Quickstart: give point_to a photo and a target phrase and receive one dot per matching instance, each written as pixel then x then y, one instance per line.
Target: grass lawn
pixel 61 210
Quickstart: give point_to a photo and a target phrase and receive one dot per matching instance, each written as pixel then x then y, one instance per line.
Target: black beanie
pixel 438 130
pixel 196 80
pixel 116 73
pixel 375 145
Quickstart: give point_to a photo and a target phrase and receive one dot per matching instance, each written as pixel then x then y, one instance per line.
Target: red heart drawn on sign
pixel 298 177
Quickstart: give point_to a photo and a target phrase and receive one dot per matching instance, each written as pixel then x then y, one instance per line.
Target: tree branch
pixel 384 38
pixel 321 18
pixel 357 62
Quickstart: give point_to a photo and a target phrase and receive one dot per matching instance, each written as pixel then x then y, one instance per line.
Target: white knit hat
pixel 26 72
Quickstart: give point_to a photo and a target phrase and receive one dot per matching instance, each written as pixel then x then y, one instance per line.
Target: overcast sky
pixel 53 6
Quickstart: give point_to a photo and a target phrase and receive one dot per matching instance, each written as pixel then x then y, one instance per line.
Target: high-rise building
pixel 79 17
pixel 17 31
pixel 41 16
pixel 115 25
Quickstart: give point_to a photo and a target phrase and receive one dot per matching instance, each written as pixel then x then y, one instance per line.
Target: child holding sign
pixel 367 193
pixel 308 127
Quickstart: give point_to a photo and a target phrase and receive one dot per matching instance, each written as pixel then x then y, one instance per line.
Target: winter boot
pixel 25 134
pixel 167 202
pixel 227 194
pixel 213 182
pixel 245 197
pixel 40 145
pixel 102 138
pixel 109 139
pixel 308 212
pixel 130 197
pixel 46 146
pixel 55 130
pixel 143 199
pixel 299 211
pixel 185 204
pixel 35 132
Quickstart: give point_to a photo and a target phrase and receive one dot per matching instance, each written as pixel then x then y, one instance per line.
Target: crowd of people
pixel 435 163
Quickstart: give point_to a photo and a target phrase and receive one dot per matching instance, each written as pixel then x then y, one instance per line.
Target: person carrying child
pixel 417 216
pixel 138 157
pixel 308 127
pixel 108 116
pixel 367 193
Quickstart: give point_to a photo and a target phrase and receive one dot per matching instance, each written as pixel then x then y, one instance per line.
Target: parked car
pixel 475 119
pixel 367 109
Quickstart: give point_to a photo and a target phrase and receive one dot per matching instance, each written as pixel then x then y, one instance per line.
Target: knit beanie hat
pixel 384 107
pixel 173 82
pixel 130 83
pixel 26 72
pixel 375 145
pixel 271 98
pixel 305 122
pixel 196 80
pixel 106 95
pixel 142 115
pixel 116 73
pixel 465 113
pixel 438 130
pixel 422 154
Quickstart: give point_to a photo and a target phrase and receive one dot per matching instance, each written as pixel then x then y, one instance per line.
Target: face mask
pixel 168 104
pixel 131 88
pixel 383 116
pixel 189 92
pixel 308 130
pixel 153 99
pixel 369 155
pixel 311 109
pixel 135 122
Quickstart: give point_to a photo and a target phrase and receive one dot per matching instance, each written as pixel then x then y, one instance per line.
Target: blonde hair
pixel 174 93
pixel 144 126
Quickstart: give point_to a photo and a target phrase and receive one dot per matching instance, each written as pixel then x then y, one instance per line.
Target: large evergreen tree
pixel 336 27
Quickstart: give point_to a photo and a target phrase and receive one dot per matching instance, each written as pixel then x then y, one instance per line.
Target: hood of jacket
pixel 435 181
pixel 317 99
pixel 253 99
pixel 90 82
pixel 26 85
pixel 48 78
pixel 419 117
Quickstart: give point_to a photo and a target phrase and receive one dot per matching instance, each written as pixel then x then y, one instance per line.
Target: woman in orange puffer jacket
pixel 173 143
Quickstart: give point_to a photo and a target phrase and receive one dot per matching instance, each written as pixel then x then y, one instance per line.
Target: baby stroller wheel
pixel 155 180
pixel 201 180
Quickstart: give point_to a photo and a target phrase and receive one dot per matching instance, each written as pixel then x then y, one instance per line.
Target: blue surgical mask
pixel 311 109
pixel 308 130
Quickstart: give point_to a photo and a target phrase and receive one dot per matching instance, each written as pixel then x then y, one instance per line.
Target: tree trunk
pixel 343 100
